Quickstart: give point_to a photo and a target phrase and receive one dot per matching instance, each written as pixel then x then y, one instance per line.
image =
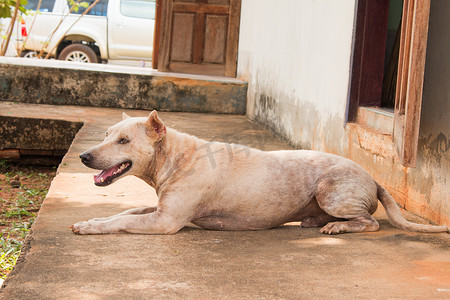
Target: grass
pixel 10 253
pixel 19 207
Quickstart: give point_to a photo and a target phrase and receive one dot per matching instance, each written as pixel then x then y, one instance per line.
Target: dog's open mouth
pixel 106 177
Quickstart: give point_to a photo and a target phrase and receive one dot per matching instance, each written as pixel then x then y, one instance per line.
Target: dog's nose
pixel 86 158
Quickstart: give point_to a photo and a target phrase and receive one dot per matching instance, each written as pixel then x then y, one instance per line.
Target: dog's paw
pixel 334 228
pixel 86 227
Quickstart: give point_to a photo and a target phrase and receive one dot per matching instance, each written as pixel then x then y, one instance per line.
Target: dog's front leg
pixel 133 211
pixel 151 223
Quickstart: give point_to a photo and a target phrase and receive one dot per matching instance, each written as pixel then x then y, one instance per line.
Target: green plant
pixel 33 192
pixel 5 12
pixel 7 5
pixel 18 208
pixel 34 14
pixel 23 200
pixel 16 212
pixel 74 6
pixel 9 254
pixel 89 7
pixel 4 165
pixel 22 228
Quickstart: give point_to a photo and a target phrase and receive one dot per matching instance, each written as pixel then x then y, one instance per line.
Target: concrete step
pixel 101 85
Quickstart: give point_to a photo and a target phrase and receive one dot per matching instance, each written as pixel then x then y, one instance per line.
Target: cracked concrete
pixel 283 263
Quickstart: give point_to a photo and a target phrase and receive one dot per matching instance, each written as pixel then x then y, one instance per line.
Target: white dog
pixel 231 187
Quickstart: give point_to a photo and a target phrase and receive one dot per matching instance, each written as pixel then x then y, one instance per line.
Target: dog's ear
pixel 155 127
pixel 125 116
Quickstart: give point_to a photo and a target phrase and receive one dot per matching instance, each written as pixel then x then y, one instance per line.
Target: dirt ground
pixel 22 190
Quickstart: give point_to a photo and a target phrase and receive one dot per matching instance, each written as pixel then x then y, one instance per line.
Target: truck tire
pixel 28 54
pixel 78 53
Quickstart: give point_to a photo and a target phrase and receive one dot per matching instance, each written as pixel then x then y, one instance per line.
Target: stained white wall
pixel 296 56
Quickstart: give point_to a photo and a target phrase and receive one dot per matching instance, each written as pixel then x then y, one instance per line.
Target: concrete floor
pixel 283 263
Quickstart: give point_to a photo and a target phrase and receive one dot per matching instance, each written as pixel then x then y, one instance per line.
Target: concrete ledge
pixel 36 134
pixel 58 82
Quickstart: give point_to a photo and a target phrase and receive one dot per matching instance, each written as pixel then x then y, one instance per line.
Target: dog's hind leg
pixel 358 224
pixel 317 221
pixel 133 211
pixel 347 193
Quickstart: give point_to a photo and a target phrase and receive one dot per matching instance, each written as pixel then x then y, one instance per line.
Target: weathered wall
pixel 58 82
pixel 430 181
pixel 296 56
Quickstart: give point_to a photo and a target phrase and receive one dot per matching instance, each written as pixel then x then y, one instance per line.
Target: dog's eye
pixel 123 141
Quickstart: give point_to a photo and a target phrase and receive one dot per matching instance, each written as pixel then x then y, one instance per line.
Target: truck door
pixel 130 29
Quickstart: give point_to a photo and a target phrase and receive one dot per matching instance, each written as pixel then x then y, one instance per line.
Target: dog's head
pixel 127 149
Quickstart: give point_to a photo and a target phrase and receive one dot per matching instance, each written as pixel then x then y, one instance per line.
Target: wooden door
pixel 199 36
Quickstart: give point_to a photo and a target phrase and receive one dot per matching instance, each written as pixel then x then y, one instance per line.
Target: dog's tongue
pixel 105 177
pixel 105 174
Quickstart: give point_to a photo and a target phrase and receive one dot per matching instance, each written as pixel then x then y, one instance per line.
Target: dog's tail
pixel 396 218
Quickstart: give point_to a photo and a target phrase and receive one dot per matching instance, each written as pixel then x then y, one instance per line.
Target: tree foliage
pixel 7 5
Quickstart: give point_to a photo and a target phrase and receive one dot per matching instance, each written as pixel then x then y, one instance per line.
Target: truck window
pixel 100 9
pixel 144 9
pixel 46 5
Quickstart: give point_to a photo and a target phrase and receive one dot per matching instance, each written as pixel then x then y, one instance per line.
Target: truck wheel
pixel 78 53
pixel 28 54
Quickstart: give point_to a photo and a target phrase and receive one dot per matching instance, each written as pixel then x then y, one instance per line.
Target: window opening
pixel 391 54
pixel 375 55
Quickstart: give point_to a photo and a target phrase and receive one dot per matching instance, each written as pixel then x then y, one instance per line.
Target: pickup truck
pixel 112 29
